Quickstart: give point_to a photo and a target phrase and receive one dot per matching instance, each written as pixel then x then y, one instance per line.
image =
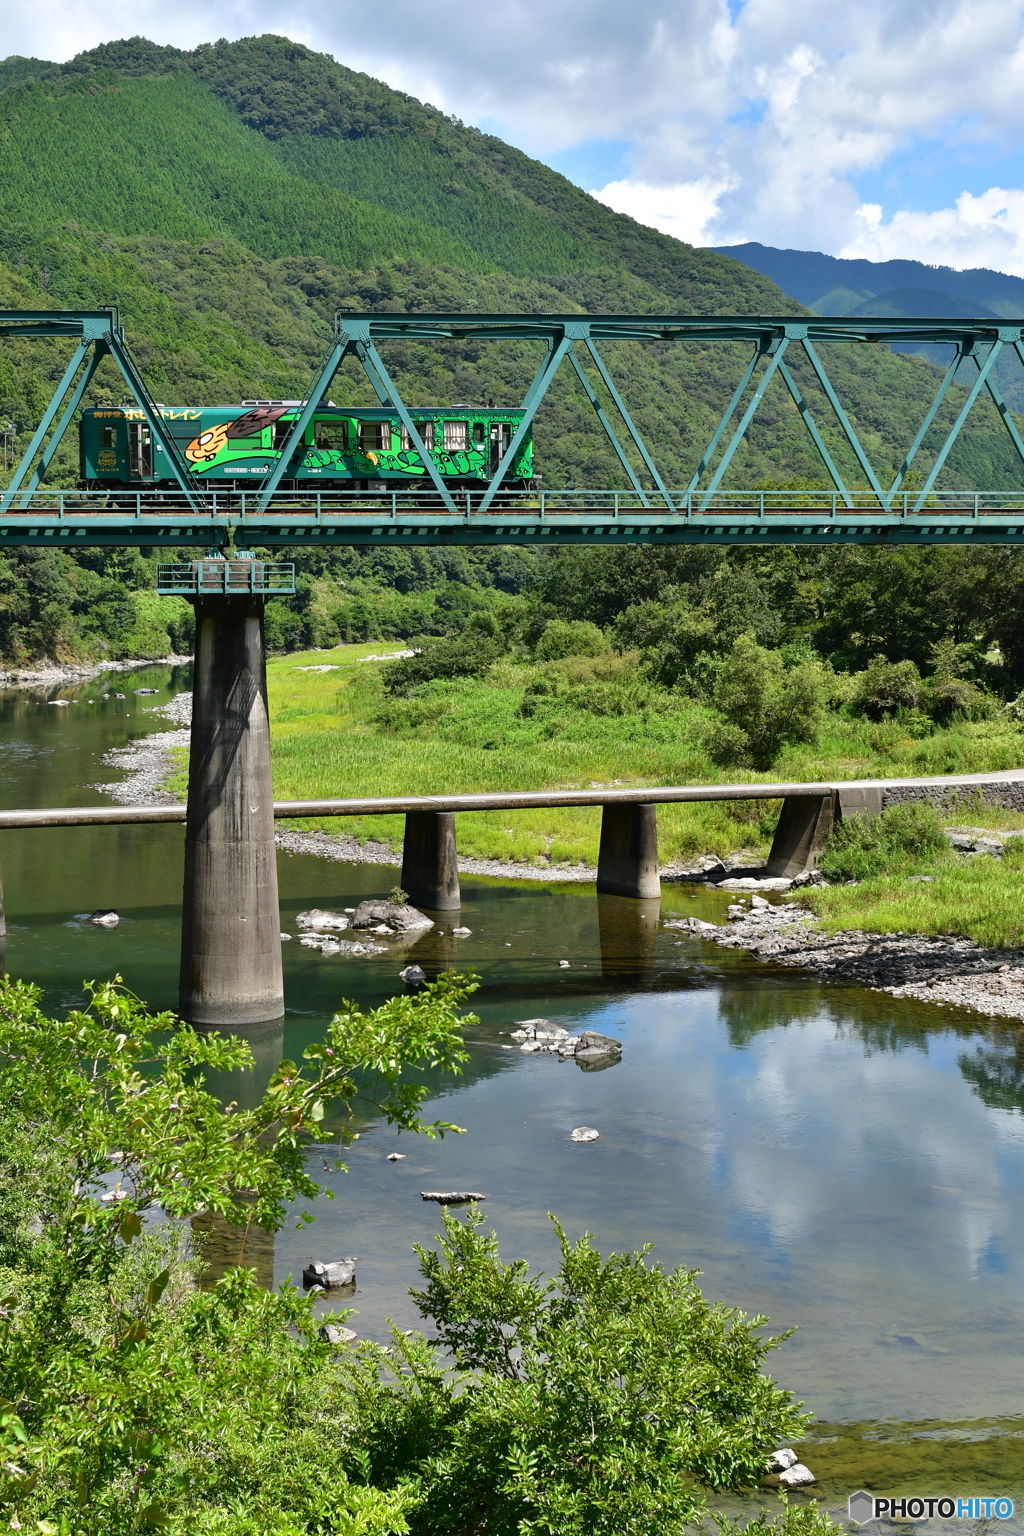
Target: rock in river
pixel 782 1459
pixel 412 975
pixel 797 1476
pixel 104 918
pixel 322 921
pixel 332 1277
pixel 333 1333
pixel 451 1197
pixel 371 914
pixel 593 1047
pixel 584 1133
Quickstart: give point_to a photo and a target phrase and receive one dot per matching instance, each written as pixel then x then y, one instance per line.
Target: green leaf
pixel 157 1288
pixel 130 1224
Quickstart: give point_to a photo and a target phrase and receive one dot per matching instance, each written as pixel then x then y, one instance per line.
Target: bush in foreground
pixel 603 1402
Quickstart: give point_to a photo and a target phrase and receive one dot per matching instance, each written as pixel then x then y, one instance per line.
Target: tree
pixel 128 1398
pixel 764 705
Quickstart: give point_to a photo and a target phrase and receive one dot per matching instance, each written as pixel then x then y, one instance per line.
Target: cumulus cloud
pixel 750 121
pixel 984 231
pixel 688 210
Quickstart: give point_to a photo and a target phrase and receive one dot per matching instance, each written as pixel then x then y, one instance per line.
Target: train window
pixel 374 435
pixel 478 431
pixel 108 437
pixel 331 434
pixel 281 431
pixel 456 438
pixel 426 432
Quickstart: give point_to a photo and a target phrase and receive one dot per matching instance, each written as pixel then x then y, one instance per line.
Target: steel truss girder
pixel 770 337
pixel 100 334
pixel 184 530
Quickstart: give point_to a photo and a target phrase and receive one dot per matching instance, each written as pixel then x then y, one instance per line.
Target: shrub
pixel 570 637
pixel 948 693
pixel 599 1403
pixel 886 687
pixel 764 705
pixel 905 839
pixel 131 1399
pixel 465 655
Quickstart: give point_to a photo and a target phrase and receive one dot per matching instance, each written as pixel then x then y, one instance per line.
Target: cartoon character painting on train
pixel 205 448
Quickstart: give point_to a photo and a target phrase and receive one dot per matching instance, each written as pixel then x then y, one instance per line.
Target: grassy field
pixel 336 733
pixel 981 898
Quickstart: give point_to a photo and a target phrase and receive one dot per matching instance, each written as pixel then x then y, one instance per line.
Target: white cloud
pixel 687 210
pixel 984 231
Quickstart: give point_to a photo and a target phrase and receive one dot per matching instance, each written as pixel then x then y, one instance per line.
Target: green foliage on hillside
pixel 177 163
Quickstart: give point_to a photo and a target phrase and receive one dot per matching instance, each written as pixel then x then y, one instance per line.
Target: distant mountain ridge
pixel 836 285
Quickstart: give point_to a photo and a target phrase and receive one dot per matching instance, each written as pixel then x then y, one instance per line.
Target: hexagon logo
pixel 861 1506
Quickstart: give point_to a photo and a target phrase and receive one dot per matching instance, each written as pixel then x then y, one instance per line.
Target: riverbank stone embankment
pixel 942 969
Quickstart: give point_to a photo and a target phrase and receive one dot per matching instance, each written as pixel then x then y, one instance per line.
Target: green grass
pixel 981 898
pixel 336 734
pixel 327 742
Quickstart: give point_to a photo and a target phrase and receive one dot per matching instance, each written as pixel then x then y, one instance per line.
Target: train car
pixel 342 448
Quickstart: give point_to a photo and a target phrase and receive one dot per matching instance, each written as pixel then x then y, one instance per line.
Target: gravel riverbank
pixel 944 970
pixel 146 763
pixel 55 674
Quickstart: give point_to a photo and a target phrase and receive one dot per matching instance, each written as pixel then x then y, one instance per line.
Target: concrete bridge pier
pixel 800 835
pixel 231 929
pixel 430 870
pixel 627 861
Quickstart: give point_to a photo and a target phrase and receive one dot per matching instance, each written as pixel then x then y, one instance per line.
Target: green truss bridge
pixel 646 509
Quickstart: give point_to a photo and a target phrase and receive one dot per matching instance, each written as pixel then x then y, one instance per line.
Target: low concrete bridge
pixel 231 954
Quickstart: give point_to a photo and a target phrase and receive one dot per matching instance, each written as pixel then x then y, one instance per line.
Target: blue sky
pixel 889 128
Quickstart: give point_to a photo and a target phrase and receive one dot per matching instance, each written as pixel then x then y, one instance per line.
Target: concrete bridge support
pixel 627 861
pixel 805 823
pixel 231 928
pixel 430 870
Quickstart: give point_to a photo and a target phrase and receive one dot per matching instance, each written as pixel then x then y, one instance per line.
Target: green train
pixel 342 448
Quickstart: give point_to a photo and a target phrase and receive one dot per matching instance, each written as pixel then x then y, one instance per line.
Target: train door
pixel 501 436
pixel 140 451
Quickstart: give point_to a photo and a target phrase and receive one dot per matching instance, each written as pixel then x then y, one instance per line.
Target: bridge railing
pixel 614 505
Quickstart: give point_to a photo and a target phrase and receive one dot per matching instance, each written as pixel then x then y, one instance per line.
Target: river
pixel 848 1163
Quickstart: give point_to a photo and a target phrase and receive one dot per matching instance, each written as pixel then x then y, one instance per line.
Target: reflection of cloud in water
pixel 827 1134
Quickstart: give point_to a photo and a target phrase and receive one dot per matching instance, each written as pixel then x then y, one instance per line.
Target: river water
pixel 848 1163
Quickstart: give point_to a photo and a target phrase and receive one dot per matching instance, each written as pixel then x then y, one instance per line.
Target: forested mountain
pixel 231 198
pixel 836 285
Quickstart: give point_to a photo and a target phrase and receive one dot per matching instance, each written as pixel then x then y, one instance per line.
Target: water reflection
pixel 628 936
pixel 995 1070
pixel 224 1247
